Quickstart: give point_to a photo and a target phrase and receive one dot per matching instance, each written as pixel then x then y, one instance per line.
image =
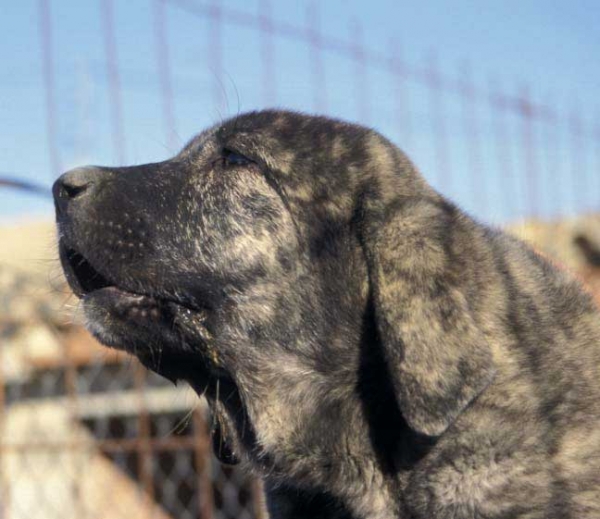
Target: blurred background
pixel 496 103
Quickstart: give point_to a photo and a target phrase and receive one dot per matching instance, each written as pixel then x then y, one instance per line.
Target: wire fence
pixel 95 436
pixel 501 152
pixel 85 434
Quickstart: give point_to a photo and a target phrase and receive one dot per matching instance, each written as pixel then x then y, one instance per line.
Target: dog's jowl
pixel 365 346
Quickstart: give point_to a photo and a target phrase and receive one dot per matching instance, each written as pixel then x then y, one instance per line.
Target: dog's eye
pixel 232 159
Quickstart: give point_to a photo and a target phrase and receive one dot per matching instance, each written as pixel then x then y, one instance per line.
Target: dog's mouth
pixel 81 276
pixel 88 283
pixel 131 321
pixel 125 319
pixel 94 287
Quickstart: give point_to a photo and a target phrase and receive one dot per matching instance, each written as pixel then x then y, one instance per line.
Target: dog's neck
pixel 357 444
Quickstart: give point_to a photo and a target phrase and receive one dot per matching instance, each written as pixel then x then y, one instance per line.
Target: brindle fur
pixel 377 352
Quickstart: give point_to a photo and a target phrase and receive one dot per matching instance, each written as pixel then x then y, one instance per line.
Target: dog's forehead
pixel 315 156
pixel 292 141
pixel 290 129
pixel 273 132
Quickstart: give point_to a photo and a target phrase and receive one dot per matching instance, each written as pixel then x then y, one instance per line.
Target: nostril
pixel 72 191
pixel 73 184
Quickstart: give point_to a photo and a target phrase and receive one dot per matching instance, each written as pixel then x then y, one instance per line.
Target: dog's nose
pixel 73 184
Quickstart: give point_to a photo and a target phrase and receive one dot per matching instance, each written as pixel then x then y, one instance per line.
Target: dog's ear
pixel 437 355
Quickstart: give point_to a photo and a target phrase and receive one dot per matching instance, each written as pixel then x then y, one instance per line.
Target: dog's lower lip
pixel 121 298
pixel 136 305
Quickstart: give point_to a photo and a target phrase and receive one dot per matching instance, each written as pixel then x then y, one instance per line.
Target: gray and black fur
pixel 366 347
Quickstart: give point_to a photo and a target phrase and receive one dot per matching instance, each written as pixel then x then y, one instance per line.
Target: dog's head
pixel 270 264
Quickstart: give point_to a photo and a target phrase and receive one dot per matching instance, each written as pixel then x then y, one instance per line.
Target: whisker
pixel 151 347
pixel 182 423
pixel 219 415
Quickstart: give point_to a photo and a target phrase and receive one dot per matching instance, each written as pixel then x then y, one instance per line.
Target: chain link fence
pixel 86 433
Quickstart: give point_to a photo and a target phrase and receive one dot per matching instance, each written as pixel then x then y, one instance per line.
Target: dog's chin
pixel 124 320
pixel 168 339
pixel 167 336
pixel 142 323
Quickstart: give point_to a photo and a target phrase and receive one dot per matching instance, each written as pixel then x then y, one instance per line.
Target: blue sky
pixel 550 47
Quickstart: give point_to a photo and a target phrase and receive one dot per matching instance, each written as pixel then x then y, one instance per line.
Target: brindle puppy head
pixel 254 265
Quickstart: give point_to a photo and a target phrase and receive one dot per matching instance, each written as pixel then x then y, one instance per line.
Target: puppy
pixel 366 347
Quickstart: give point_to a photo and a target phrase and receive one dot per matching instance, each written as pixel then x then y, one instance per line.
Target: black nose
pixel 73 184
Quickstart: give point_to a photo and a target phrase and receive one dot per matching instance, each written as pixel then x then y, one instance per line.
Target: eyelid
pixel 234 158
